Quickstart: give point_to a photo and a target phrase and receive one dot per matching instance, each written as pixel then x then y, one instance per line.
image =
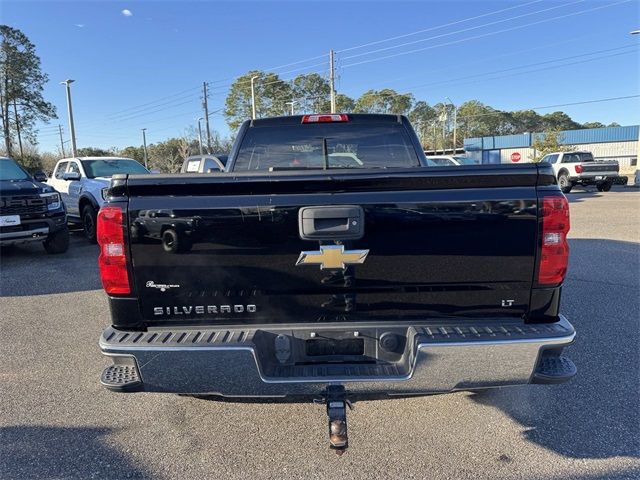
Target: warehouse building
pixel 609 143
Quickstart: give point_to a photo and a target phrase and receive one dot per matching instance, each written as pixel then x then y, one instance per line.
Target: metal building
pixel 609 143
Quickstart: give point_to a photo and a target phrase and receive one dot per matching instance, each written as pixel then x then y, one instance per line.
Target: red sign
pixel 515 157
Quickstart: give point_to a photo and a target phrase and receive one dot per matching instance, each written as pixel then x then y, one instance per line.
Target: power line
pixel 584 102
pixel 449 81
pixel 483 61
pixel 453 42
pixel 154 101
pixel 464 30
pixel 397 37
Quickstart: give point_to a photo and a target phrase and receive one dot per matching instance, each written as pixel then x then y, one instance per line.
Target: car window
pixel 326 145
pixel 553 158
pixel 465 160
pixel 109 167
pixel 62 167
pixel 10 170
pixel 442 161
pixel 570 158
pixel 73 167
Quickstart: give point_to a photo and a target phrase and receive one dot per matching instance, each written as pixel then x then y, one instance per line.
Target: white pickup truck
pixel 82 183
pixel 580 168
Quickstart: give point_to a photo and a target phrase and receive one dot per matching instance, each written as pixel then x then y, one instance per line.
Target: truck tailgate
pixel 439 242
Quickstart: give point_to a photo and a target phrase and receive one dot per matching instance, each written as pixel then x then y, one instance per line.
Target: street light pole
pixel 200 135
pixel 636 180
pixel 253 98
pixel 67 83
pixel 332 81
pixel 144 143
pixel 455 124
pixel 292 103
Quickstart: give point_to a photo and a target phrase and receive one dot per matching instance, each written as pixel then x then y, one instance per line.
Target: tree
pixel 422 116
pixel 311 92
pixel 475 119
pixel 593 125
pixel 95 152
pixel 21 86
pixel 344 104
pixel 526 121
pixel 558 121
pixel 547 142
pixel 271 95
pixel 135 153
pixel 384 101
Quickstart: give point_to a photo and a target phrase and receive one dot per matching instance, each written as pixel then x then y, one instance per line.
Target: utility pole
pixel 206 116
pixel 200 135
pixel 67 83
pixel 332 79
pixel 144 143
pixel 61 141
pixel 253 98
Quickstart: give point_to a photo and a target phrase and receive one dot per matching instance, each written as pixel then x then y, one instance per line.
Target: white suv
pixel 83 182
pixel 580 168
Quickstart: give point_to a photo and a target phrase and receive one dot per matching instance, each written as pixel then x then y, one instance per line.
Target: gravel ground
pixel 57 422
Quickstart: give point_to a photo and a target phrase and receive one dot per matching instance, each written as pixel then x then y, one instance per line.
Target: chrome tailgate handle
pixel 343 222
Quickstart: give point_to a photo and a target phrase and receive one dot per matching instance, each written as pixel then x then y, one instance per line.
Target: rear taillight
pixel 112 260
pixel 578 168
pixel 334 117
pixel 554 254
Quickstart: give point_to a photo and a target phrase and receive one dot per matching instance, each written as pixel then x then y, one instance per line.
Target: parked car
pixel 204 164
pixel 451 160
pixel 82 182
pixel 580 168
pixel 30 211
pixel 334 261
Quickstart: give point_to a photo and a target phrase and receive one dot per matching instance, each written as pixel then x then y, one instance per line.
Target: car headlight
pixel 53 200
pixel 105 193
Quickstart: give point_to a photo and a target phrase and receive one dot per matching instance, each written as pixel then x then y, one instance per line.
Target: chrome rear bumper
pixel 437 358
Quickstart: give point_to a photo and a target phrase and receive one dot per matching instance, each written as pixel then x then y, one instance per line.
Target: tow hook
pixel 337 403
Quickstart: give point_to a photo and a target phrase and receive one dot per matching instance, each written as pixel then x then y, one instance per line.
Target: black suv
pixel 30 211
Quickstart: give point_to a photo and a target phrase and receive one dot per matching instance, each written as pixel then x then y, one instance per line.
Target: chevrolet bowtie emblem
pixel 332 257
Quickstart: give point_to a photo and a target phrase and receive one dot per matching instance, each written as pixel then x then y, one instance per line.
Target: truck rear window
pixel 325 146
pixel 577 157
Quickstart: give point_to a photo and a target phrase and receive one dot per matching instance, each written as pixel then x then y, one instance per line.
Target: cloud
pixel 127 13
pixel 79 25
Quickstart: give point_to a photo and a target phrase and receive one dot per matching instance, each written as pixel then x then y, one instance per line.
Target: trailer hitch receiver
pixel 337 402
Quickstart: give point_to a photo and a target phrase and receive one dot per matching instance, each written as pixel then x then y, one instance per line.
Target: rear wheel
pixel 565 183
pixel 604 187
pixel 57 242
pixel 174 242
pixel 89 216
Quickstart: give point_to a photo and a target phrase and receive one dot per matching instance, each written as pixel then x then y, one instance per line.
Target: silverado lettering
pixel 460 289
pixel 202 309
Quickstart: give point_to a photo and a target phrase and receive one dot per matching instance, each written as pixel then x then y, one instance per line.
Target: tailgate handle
pixel 345 222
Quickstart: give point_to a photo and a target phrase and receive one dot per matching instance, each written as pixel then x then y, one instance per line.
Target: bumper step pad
pixel 554 369
pixel 121 378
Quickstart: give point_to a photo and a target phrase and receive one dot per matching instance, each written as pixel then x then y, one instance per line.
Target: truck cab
pixel 82 183
pixel 30 211
pixel 580 168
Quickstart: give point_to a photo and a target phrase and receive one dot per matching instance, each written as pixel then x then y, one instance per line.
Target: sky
pixel 141 64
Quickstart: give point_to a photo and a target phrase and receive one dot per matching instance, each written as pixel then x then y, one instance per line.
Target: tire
pixel 174 242
pixel 89 223
pixel 565 183
pixel 604 187
pixel 170 241
pixel 57 242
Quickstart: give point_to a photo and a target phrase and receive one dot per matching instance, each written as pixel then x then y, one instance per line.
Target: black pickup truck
pixel 332 260
pixel 30 211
